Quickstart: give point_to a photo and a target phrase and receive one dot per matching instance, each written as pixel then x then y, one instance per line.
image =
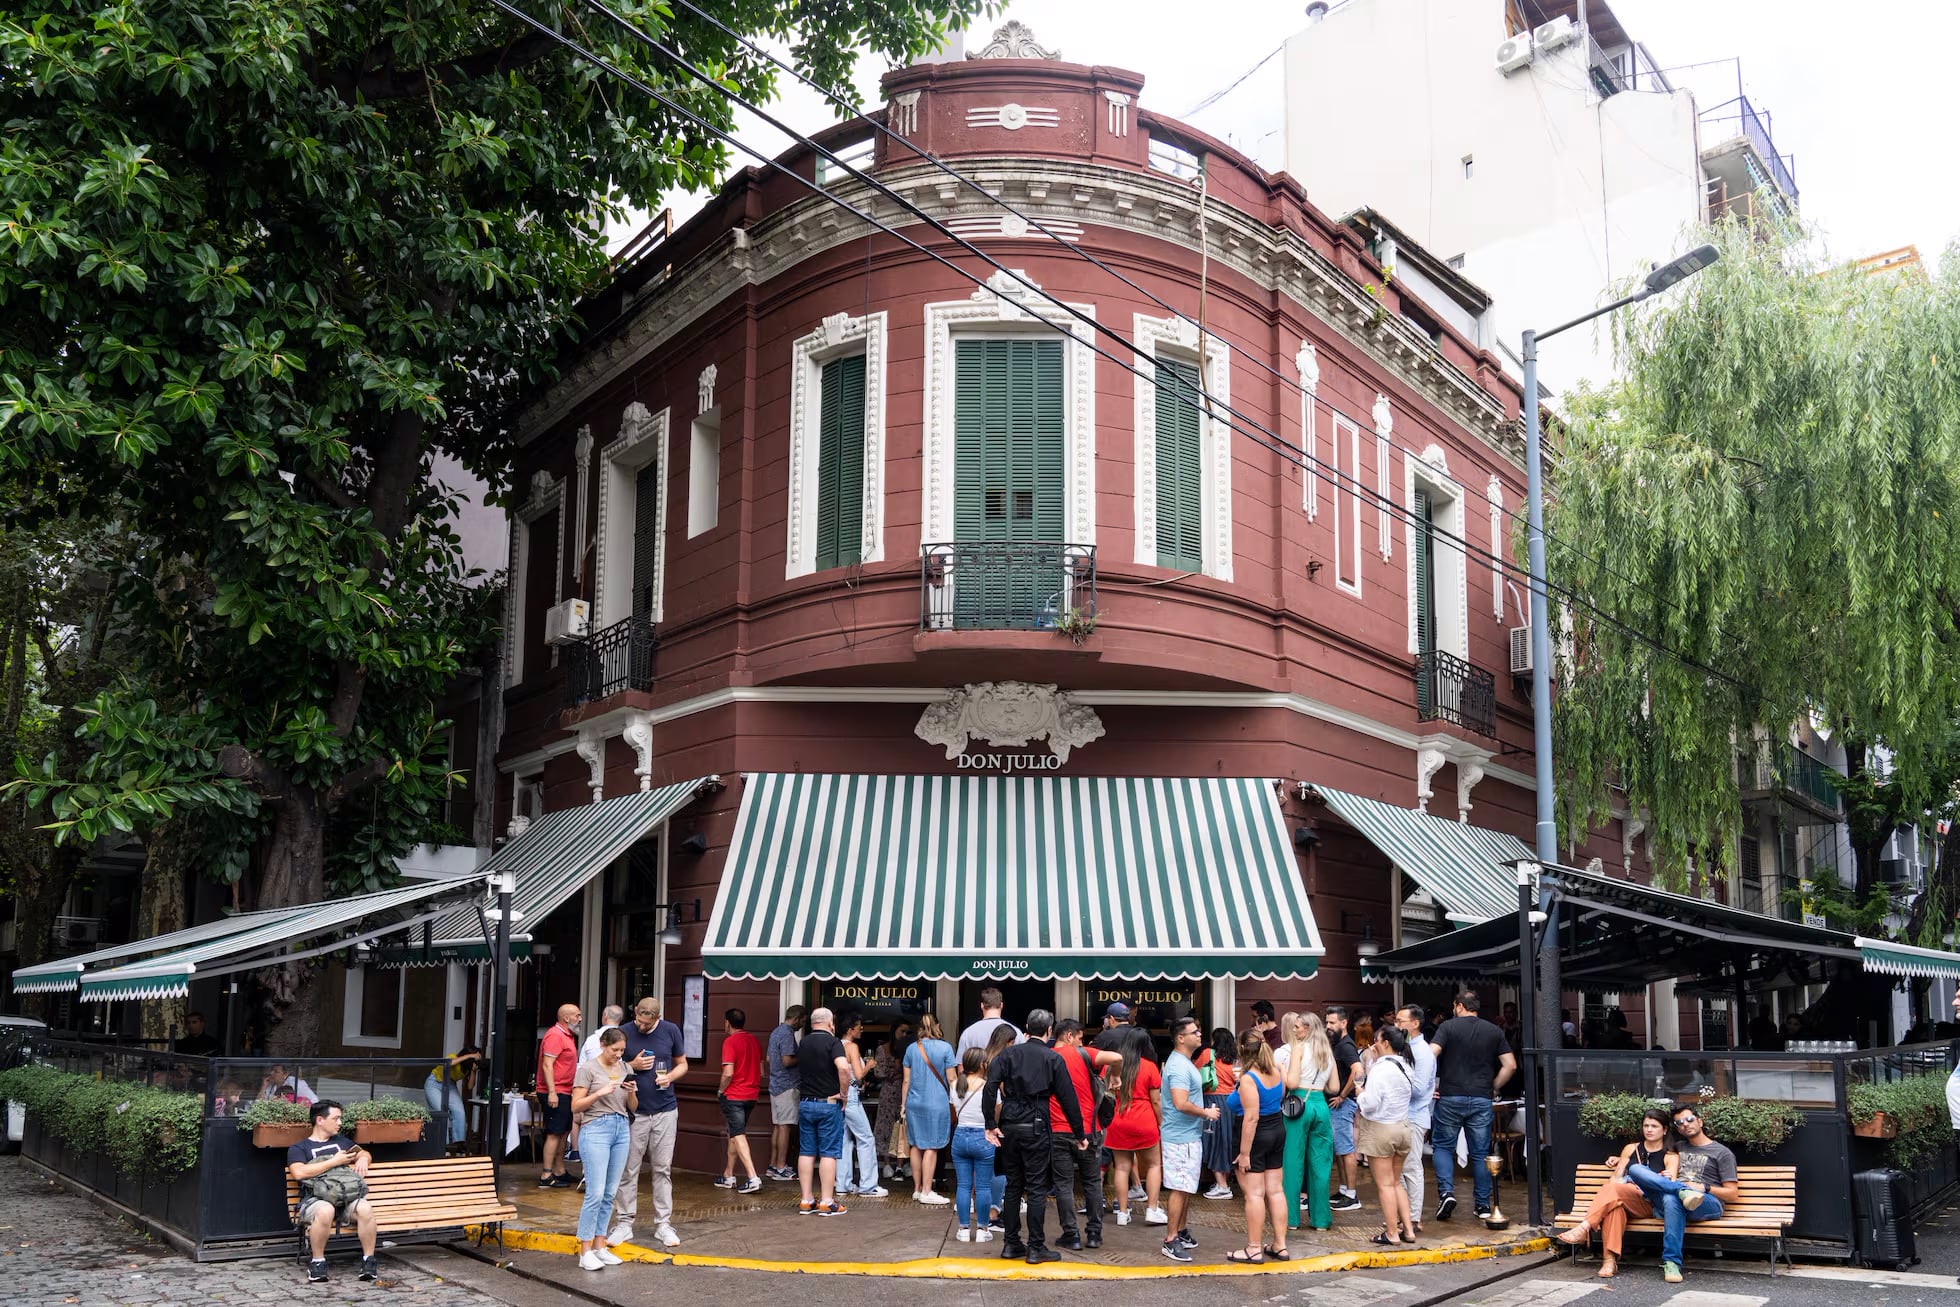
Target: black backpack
pixel 1105 1109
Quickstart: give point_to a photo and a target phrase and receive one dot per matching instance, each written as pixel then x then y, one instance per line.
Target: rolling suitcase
pixel 1882 1203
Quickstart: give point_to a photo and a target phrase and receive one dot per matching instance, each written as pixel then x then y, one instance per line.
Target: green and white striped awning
pixel 551 861
pixel 64 975
pixel 364 916
pixel 1034 877
pixel 1905 960
pixel 1460 864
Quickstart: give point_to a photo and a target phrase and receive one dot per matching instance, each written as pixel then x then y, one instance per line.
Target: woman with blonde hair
pixel 1306 1061
pixel 1262 1153
pixel 928 1107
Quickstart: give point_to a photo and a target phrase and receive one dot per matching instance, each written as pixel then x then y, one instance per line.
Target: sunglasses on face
pixel 1686 1118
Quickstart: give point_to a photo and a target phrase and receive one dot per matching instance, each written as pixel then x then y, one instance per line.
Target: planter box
pixel 279 1136
pixel 387 1132
pixel 1883 1125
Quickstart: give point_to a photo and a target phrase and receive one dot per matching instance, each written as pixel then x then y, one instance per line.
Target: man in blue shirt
pixel 785 1092
pixel 653 1050
pixel 1185 1120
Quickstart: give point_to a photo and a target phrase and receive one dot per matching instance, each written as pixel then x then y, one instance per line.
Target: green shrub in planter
pixel 1747 1125
pixel 1917 1103
pixel 143 1130
pixel 274 1111
pixel 385 1109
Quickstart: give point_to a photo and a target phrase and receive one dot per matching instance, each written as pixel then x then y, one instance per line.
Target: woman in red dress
pixel 1133 1136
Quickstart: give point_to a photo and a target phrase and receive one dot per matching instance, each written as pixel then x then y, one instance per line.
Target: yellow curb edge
pixel 973 1268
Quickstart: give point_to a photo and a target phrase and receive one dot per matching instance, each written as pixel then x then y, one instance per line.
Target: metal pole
pixel 1541 685
pixel 1527 1000
pixel 499 1012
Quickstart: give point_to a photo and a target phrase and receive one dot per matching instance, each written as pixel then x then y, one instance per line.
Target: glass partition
pixel 238 1082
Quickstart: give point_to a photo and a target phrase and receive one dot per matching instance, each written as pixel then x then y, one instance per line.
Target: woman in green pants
pixel 1307 1063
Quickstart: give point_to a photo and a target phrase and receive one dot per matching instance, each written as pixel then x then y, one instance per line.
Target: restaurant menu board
pixel 694 1006
pixel 1153 1005
pixel 881 1003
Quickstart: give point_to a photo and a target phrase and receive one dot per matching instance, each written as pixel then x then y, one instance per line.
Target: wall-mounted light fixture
pixel 670 934
pixel 1368 946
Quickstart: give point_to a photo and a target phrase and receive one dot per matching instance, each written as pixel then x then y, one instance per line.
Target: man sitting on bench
pixel 332 1174
pixel 1706 1180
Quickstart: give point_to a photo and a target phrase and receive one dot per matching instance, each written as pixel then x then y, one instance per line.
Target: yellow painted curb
pixel 975 1268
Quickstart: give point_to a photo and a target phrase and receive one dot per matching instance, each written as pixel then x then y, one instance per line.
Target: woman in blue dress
pixel 928 1107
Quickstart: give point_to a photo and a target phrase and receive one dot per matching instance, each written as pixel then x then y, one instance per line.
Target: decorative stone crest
pixel 1384 418
pixel 1013 39
pixel 638 734
pixel 1468 773
pixel 1119 113
pixel 902 115
pixel 1009 713
pixel 1428 763
pixel 544 487
pixel 706 387
pixel 592 752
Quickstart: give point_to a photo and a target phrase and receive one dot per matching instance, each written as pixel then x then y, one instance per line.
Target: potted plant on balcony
pixel 276 1122
pixel 387 1120
pixel 1076 624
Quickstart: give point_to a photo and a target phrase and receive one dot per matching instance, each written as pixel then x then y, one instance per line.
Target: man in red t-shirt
pixel 1069 1163
pixel 557 1064
pixel 741 1090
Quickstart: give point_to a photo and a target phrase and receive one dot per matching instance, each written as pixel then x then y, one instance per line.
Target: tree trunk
pixel 293 874
pixel 163 908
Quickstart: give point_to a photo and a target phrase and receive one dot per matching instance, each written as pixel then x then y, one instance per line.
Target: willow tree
pixel 1771 496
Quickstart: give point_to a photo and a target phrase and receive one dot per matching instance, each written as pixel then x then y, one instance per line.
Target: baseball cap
pixel 1121 1010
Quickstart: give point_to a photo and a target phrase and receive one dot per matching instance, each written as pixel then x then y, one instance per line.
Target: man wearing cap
pixel 1117 1033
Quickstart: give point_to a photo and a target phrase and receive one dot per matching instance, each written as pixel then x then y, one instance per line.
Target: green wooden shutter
pixel 1425 565
pixel 1009 478
pixel 1180 469
pixel 646 538
pixel 840 463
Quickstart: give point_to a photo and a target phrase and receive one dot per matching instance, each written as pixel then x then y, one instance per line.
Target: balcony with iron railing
pixel 1788 774
pixel 1738 118
pixel 1451 690
pixel 609 661
pixel 996 585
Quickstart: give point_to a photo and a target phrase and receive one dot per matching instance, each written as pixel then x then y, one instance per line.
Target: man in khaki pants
pixel 653 1050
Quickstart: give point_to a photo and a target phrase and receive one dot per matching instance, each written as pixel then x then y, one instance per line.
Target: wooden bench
pixel 1764 1210
pixel 435 1194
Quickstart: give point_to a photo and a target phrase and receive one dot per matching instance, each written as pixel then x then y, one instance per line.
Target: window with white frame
pixel 632 556
pixel 1347 505
pixel 371 1008
pixel 537 554
pixel 836 445
pixel 704 473
pixel 1183 450
pixel 1438 592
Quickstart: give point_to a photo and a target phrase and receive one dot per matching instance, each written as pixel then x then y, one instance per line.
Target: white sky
pixel 1859 93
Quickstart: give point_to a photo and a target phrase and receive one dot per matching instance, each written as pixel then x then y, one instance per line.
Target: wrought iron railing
pixel 620 657
pixel 1753 126
pixel 1451 690
pixel 1007 586
pixel 1792 770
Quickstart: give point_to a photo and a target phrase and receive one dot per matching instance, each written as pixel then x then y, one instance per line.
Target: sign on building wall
pixel 694 1007
pixel 879 1002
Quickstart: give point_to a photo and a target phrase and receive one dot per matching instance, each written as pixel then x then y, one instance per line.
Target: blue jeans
pixel 858 1146
pixel 1664 1196
pixel 442 1096
pixel 973 1173
pixel 820 1129
pixel 1456 1116
pixel 603 1143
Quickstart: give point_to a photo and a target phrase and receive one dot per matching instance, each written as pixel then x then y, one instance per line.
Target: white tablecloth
pixel 517 1115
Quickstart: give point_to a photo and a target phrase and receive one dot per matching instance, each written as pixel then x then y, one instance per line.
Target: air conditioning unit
pixel 568 621
pixel 78 930
pixel 1894 871
pixel 1560 31
pixel 1520 651
pixel 1514 53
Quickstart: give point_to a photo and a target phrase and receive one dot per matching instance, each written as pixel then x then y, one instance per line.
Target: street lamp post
pixel 1658 280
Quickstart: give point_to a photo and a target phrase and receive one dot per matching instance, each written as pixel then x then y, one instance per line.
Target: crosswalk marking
pixel 1873 1276
pixel 1534 1293
pixel 1702 1298
pixel 1351 1291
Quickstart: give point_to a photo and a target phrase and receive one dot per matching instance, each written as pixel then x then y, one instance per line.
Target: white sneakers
pixel 930 1199
pixel 589 1261
pixel 1122 1216
pixel 1155 1216
pixel 664 1234
pixel 621 1233
pixel 609 1257
pixel 1218 1192
pixel 875 1191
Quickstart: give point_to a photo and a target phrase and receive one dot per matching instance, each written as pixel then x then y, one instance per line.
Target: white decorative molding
pixel 547 494
pixel 995 310
pixel 1346 481
pixel 1014 39
pixel 902 114
pixel 1012 117
pixel 705 389
pixel 1429 761
pixel 638 734
pixel 1009 713
pixel 642 440
pixel 1451 592
pixel 1384 423
pixel 592 752
pixel 1468 774
pixel 1178 338
pixel 1119 113
pixel 1631 828
pixel 582 452
pixel 1308 362
pixel 837 336
pixel 1012 226
pixel 1494 493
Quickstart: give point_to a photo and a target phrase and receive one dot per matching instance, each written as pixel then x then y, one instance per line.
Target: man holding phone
pixel 324 1150
pixel 653 1051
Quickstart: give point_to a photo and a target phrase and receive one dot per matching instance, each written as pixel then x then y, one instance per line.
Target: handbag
pixel 1292 1107
pixel 900 1143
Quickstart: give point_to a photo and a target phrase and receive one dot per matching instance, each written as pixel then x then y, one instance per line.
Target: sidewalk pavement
pixel 896 1236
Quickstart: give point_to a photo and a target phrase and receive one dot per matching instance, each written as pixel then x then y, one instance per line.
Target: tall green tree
pixel 260 260
pixel 1772 493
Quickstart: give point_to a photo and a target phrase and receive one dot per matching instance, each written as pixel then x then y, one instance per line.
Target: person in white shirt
pixel 610 1018
pixel 981 1032
pixel 1422 1104
pixel 1382 1135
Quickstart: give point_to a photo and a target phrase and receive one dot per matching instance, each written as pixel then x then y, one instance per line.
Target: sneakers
pixel 984 1236
pixel 571 1155
pixel 806 1207
pixel 845 1190
pixel 316 1271
pixel 1483 1213
pixel 780 1173
pixel 826 1209
pixel 1446 1207
pixel 370 1269
pixel 610 1258
pixel 559 1182
pixel 1691 1198
pixel 1350 1203
pixel 1155 1216
pixel 963 1234
pixel 1186 1238
pixel 1136 1192
pixel 724 1182
pixel 875 1191
pixel 1174 1250
pixel 1036 1256
pixel 1219 1192
pixel 664 1233
pixel 621 1233
pixel 1670 1272
pixel 589 1261
pixel 1071 1242
pixel 930 1199
pixel 1122 1216
pixel 752 1185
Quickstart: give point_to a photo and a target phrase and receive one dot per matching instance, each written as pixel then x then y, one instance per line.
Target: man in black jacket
pixel 1021 1085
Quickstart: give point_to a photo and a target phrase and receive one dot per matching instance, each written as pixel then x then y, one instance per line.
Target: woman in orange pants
pixel 1618 1200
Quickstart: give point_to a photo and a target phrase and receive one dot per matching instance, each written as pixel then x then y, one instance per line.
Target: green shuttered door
pixel 1425 565
pixel 1009 478
pixel 1180 469
pixel 840 464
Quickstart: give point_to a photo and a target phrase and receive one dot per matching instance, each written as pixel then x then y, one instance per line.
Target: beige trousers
pixel 653 1143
